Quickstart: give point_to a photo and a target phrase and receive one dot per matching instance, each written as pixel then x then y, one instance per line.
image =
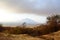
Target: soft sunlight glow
pixel 17 17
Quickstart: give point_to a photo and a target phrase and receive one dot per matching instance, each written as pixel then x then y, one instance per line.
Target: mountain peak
pixel 29 21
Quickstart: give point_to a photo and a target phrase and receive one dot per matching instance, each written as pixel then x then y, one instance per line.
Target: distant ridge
pixel 27 21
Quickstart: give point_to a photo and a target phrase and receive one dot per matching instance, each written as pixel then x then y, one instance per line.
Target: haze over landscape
pixel 16 19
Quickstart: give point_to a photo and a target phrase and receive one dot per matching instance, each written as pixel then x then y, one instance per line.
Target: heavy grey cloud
pixel 42 7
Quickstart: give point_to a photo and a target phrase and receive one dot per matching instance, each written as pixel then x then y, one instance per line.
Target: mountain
pixel 27 21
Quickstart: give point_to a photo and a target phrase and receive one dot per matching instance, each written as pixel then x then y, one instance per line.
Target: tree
pixel 24 25
pixel 1 28
pixel 53 21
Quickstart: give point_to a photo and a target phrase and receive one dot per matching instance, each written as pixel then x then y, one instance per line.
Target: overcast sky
pixel 42 7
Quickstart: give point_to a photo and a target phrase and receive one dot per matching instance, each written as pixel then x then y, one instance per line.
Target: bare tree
pixel 1 28
pixel 24 24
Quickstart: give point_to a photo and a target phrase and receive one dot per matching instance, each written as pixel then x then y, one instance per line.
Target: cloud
pixel 42 7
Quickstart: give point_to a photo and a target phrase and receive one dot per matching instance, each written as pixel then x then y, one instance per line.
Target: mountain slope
pixel 29 21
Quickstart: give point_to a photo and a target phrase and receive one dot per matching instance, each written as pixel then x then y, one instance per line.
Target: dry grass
pixel 18 37
pixel 52 36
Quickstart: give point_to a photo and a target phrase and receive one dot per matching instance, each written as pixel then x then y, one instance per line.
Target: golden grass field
pixel 52 36
pixel 17 37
